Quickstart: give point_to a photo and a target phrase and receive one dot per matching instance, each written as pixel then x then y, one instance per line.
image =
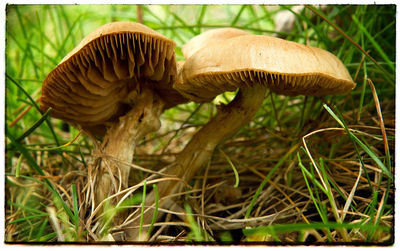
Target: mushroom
pixel 259 62
pixel 114 84
pixel 251 63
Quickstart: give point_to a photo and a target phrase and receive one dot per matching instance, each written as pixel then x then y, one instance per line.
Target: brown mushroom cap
pixel 96 82
pixel 283 66
pixel 210 37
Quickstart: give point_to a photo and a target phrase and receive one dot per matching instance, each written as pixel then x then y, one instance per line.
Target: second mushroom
pixel 251 63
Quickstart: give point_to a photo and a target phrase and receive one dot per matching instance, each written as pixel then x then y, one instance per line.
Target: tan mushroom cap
pixel 210 37
pixel 283 66
pixel 90 86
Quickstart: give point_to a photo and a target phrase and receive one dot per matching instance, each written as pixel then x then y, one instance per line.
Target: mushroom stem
pixel 228 120
pixel 111 168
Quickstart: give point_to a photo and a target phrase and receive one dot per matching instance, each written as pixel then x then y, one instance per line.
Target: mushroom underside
pixel 204 87
pixel 91 86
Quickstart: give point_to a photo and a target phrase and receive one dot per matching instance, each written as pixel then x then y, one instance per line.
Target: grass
pixel 305 170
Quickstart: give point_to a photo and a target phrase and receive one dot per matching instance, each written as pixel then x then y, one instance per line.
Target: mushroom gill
pixel 106 66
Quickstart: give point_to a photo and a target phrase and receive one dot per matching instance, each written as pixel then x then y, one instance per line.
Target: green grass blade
pixel 232 166
pixel 374 43
pixel 69 33
pixel 195 230
pixel 53 60
pixel 40 232
pixel 35 125
pixel 49 149
pixel 237 17
pixel 82 158
pixel 303 170
pixel 28 48
pixel 41 42
pixel 32 163
pixel 282 228
pixel 34 105
pixel 66 21
pixel 182 22
pixel 56 35
pixel 156 199
pixel 19 162
pixel 363 88
pixel 46 40
pixel 75 206
pixel 142 208
pixel 27 208
pixel 319 13
pixel 360 143
pixel 21 66
pixel 201 16
pixel 28 218
pixel 332 200
pixel 47 237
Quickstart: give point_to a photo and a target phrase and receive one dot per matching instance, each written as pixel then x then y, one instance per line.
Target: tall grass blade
pixel 153 220
pixel 28 218
pixel 350 39
pixel 182 22
pixel 232 166
pixel 201 16
pixel 142 209
pixel 360 143
pixel 195 230
pixel 281 228
pixel 27 39
pixel 69 33
pixel 303 170
pixel 27 208
pixel 75 206
pixel 39 234
pixel 34 105
pixel 374 43
pixel 36 125
pixel 237 17
pixel 19 162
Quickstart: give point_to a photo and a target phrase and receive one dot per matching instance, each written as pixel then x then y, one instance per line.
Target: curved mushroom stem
pixel 228 120
pixel 110 171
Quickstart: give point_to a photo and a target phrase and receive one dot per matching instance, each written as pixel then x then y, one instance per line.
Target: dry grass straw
pixel 218 206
